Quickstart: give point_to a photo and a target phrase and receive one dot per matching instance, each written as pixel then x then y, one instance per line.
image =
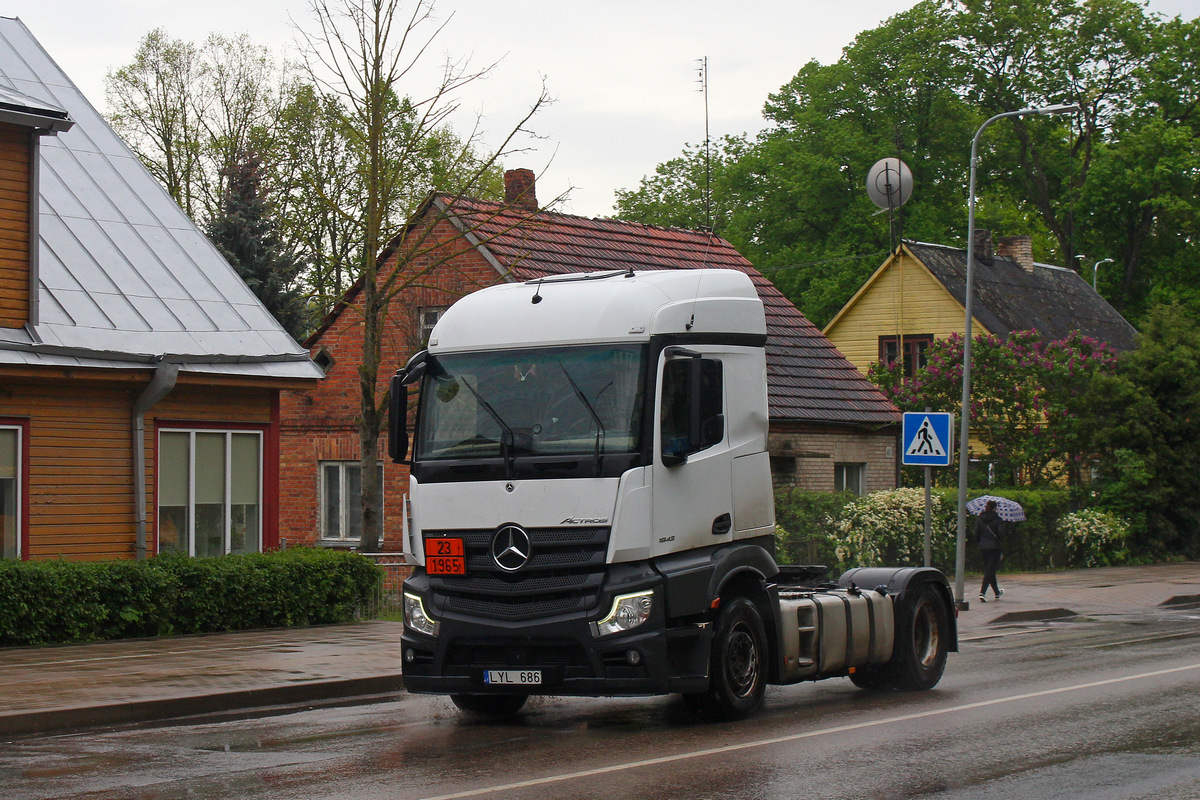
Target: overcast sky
pixel 623 72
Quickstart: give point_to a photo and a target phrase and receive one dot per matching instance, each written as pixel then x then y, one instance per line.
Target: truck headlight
pixel 628 611
pixel 415 617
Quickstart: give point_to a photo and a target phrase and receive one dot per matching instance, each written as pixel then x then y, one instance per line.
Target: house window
pixel 10 492
pixel 209 492
pixel 849 478
pixel 341 500
pixel 427 317
pixel 911 349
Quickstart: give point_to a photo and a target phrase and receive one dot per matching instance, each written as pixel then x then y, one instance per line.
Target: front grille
pixel 564 575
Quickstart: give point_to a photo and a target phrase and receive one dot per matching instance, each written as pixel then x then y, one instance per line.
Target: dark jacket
pixel 989 531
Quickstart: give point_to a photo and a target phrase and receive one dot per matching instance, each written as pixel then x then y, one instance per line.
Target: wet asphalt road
pixel 1086 709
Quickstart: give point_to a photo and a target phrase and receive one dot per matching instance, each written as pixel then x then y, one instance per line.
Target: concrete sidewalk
pixel 123 682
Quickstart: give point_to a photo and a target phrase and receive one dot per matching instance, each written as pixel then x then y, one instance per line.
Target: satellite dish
pixel 889 183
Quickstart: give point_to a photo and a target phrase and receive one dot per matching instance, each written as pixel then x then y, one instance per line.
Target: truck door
pixel 693 498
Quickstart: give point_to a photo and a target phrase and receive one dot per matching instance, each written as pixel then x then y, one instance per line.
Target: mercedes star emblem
pixel 511 548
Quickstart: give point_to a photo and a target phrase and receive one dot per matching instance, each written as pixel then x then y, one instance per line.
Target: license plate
pixel 445 556
pixel 512 677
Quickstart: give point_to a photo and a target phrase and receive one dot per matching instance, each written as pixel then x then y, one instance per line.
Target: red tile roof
pixel 808 379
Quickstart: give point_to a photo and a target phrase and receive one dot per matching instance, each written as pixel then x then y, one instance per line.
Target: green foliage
pixel 44 602
pixel 1145 424
pixel 806 525
pixel 245 231
pixel 1095 538
pixel 1027 398
pixel 888 529
pixel 1117 179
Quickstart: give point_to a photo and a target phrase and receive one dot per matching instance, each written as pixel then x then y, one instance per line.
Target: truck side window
pixel 692 401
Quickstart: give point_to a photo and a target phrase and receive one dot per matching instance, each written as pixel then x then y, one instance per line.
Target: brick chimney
pixel 1017 248
pixel 519 190
pixel 983 246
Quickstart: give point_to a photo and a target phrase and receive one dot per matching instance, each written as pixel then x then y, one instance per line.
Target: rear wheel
pixel 738 665
pixel 492 705
pixel 920 651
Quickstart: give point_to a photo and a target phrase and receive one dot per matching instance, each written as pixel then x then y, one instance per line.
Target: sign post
pixel 927 441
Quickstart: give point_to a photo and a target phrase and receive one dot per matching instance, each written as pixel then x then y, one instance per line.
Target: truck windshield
pixel 577 401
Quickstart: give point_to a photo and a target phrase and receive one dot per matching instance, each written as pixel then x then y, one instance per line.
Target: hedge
pixel 43 602
pixel 808 529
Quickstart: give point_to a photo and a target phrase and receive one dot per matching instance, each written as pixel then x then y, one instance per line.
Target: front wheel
pixel 491 705
pixel 738 666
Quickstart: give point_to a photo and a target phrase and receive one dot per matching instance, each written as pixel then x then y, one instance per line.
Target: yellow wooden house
pixel 917 295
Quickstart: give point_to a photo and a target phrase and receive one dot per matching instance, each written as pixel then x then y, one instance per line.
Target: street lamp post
pixel 1096 268
pixel 960 553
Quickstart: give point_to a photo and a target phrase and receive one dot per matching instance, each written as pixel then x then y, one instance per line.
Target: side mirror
pixel 398 418
pixel 414 369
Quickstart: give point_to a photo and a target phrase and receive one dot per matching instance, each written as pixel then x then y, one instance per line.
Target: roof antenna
pixel 703 81
pixel 537 295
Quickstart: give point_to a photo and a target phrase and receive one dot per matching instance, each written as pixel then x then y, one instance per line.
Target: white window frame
pixel 842 471
pixel 427 318
pixel 190 533
pixel 18 496
pixel 345 506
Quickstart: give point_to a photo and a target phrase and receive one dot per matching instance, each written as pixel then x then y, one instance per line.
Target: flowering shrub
pixel 888 529
pixel 1026 396
pixel 1095 538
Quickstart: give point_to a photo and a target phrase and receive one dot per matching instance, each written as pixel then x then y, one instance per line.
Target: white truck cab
pixel 591 507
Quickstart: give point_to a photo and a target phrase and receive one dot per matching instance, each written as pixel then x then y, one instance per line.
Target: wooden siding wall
pixel 80 457
pixel 904 299
pixel 15 150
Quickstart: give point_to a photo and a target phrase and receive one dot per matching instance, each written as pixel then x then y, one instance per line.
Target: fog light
pixel 416 619
pixel 628 612
pixel 633 657
pixel 410 656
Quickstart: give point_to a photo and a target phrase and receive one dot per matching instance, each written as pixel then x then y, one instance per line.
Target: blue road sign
pixel 928 439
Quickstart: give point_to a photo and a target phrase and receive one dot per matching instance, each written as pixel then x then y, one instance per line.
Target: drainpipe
pixel 160 386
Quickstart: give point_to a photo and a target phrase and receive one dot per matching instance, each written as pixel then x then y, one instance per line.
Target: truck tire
pixel 738 665
pixel 919 657
pixel 491 705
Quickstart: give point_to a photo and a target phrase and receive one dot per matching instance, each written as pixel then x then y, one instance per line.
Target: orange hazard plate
pixel 444 556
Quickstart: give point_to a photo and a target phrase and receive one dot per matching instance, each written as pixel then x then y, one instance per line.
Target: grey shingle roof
pixel 124 276
pixel 1051 300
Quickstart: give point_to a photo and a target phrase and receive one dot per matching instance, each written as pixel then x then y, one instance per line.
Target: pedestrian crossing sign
pixel 928 439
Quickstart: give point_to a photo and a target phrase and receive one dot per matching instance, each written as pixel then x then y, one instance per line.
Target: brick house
pixel 830 428
pixel 139 376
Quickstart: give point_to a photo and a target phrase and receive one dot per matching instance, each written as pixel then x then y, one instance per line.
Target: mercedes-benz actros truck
pixel 590 509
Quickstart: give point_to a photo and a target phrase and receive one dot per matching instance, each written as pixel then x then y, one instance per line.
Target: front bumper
pixel 650 659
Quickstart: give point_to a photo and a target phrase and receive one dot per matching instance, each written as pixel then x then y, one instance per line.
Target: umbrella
pixel 1009 510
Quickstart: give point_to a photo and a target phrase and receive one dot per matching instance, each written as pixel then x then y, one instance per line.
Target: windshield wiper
pixel 599 425
pixel 506 438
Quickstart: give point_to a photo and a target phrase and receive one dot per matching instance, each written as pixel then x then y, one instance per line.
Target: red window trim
pixel 270 466
pixel 23 501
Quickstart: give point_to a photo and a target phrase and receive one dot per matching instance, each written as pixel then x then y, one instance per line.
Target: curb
pixel 1033 615
pixel 40 721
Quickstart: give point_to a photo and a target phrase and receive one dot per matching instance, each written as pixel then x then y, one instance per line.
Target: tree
pixel 189 111
pixel 156 109
pixel 246 234
pixel 1027 398
pixel 1145 423
pixel 1118 179
pixel 363 53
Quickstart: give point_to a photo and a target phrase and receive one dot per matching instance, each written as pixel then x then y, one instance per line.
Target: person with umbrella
pixel 989 536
